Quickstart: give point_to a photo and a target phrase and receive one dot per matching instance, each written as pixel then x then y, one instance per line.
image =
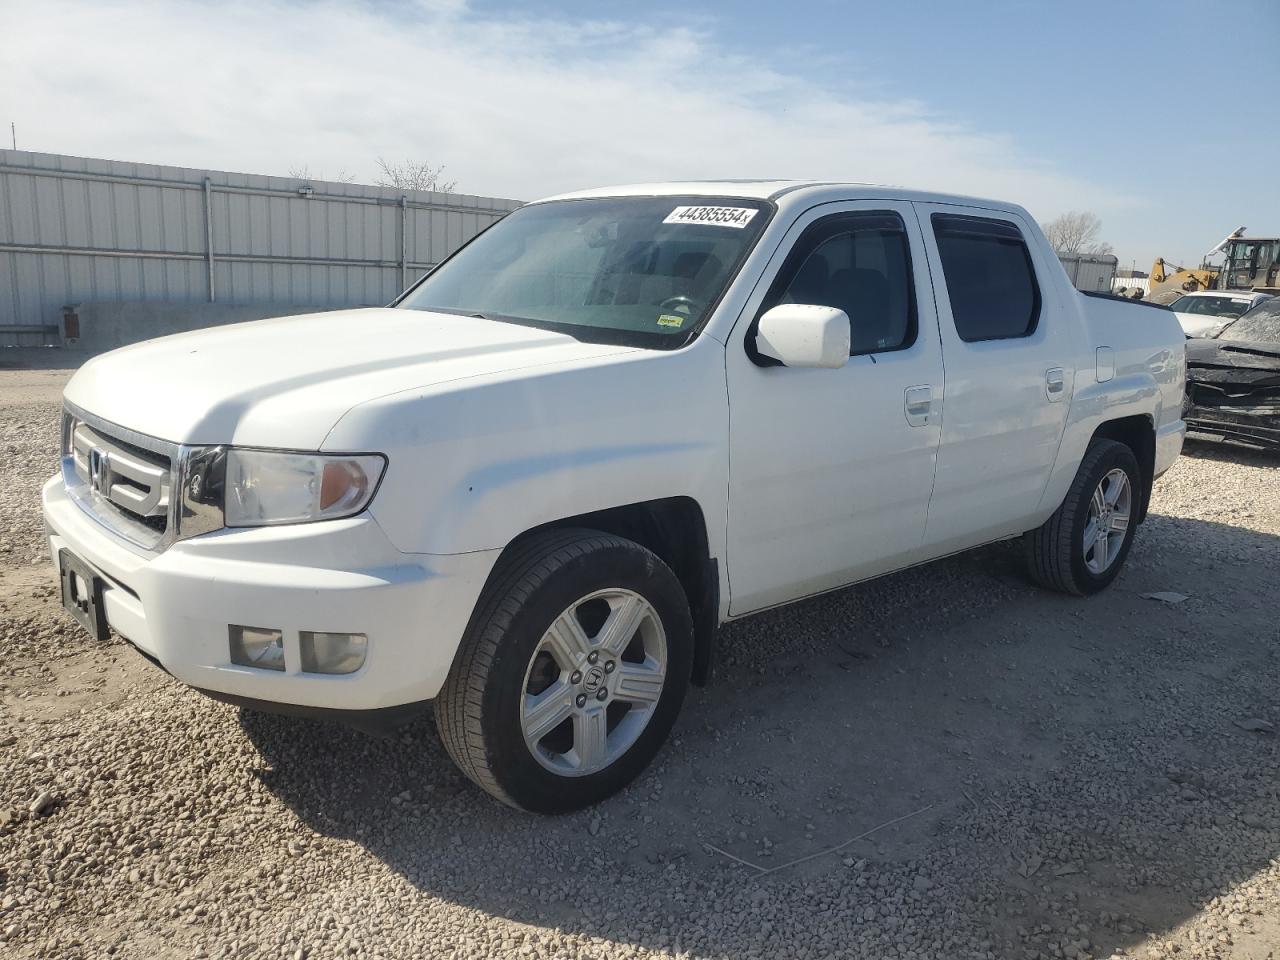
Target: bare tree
pixel 413 175
pixel 303 172
pixel 1076 232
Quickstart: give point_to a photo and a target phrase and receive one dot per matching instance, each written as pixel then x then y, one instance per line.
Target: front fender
pixel 471 466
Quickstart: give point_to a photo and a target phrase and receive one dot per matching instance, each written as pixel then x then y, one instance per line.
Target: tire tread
pixel 520 573
pixel 1048 547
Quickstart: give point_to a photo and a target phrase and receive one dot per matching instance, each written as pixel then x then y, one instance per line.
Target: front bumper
pixel 1241 402
pixel 338 576
pixel 1260 425
pixel 1235 427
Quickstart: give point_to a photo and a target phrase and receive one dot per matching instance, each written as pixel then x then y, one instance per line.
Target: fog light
pixel 332 652
pixel 257 647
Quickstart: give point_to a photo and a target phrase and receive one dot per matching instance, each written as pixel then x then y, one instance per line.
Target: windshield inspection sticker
pixel 671 320
pixel 736 217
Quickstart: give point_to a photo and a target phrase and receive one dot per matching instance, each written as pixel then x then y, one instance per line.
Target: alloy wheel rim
pixel 593 682
pixel 1107 524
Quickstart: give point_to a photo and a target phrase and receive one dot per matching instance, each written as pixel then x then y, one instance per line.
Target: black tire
pixel 1055 551
pixel 537 579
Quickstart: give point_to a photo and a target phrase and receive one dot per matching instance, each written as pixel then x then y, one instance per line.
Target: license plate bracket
pixel 82 594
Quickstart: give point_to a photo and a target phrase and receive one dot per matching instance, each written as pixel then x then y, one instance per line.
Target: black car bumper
pixel 1254 427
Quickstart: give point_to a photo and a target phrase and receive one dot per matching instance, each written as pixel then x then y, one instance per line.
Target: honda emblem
pixel 100 471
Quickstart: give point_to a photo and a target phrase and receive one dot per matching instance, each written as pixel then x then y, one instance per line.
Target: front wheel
pixel 1081 548
pixel 571 672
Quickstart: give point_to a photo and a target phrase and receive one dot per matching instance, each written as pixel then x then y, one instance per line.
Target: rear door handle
pixel 919 404
pixel 1055 383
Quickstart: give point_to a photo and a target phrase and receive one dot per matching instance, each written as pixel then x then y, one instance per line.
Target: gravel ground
pixel 1069 778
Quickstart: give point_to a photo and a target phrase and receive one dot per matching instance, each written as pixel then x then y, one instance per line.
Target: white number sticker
pixel 736 217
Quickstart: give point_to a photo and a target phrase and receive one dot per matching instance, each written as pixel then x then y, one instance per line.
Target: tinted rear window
pixel 990 281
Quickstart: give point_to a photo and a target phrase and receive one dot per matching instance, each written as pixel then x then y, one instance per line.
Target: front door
pixel 830 471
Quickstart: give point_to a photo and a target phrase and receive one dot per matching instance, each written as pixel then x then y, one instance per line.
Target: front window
pixel 1259 325
pixel 644 271
pixel 859 263
pixel 1211 306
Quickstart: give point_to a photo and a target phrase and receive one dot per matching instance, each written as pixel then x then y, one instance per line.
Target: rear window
pixel 990 281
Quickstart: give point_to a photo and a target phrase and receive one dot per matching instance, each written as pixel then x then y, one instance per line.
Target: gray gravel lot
pixel 1077 778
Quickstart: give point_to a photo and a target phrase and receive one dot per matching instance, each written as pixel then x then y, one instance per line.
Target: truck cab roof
pixel 783 192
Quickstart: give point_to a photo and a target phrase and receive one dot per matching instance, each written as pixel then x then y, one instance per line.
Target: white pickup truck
pixel 532 488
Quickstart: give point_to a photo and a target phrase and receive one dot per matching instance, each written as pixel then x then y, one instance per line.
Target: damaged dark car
pixel 1233 379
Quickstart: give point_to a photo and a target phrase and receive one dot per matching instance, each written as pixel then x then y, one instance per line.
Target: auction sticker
pixel 736 217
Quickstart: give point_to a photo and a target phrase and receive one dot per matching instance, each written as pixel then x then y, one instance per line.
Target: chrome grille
pixel 131 479
pixel 124 480
pixel 149 492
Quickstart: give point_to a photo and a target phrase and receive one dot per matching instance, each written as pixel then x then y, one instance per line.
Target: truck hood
pixel 285 382
pixel 1234 361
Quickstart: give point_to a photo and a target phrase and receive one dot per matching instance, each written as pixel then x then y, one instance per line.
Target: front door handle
pixel 919 404
pixel 1055 383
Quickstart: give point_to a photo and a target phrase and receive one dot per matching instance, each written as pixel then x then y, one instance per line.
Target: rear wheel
pixel 1081 548
pixel 571 672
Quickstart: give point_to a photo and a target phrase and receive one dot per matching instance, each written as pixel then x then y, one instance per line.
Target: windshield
pixel 1259 325
pixel 1211 306
pixel 644 271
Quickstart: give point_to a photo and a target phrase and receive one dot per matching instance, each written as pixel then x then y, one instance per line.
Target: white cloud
pixel 514 107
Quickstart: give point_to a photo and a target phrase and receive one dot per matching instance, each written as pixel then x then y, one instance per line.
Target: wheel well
pixel 674 529
pixel 1139 435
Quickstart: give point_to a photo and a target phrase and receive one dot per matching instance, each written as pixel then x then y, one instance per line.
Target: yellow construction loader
pixel 1170 281
pixel 1252 263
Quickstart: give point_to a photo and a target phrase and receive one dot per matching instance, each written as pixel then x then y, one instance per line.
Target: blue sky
pixel 1112 92
pixel 1159 117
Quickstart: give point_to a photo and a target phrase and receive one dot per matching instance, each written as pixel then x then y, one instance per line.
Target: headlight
pixel 265 487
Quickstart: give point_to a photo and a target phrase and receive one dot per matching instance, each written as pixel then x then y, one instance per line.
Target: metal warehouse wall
pixel 77 230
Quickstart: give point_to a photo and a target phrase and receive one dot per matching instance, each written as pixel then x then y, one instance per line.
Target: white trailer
pixel 1091 272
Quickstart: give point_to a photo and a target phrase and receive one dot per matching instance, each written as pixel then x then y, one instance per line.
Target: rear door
pixel 830 470
pixel 1007 344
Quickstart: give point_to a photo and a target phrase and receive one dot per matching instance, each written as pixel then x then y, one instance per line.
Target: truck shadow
pixel 1072 771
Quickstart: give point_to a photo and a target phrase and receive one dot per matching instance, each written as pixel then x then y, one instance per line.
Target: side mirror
pixel 800 335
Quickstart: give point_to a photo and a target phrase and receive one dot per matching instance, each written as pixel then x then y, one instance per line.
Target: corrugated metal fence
pixel 1131 284
pixel 77 230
